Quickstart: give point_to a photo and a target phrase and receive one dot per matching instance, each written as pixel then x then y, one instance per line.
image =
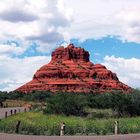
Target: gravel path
pixel 25 137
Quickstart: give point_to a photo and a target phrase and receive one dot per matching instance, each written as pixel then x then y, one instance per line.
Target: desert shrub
pixel 33 96
pixel 134 107
pixel 99 115
pixel 68 104
pixel 101 101
pixel 120 103
pixel 126 104
pixel 37 96
pixel 2 98
pixel 123 103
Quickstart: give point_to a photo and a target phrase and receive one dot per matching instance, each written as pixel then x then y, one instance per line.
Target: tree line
pixel 75 103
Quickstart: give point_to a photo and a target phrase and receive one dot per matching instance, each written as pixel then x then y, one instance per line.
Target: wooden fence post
pixel 24 109
pixel 6 114
pixel 116 127
pixel 17 126
pixel 11 111
pixel 62 129
pixel 15 111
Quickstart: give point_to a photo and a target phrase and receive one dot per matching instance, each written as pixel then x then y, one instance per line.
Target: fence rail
pixel 5 112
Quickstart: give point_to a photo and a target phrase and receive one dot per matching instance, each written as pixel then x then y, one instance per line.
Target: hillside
pixel 70 70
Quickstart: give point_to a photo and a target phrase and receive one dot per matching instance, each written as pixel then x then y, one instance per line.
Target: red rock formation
pixel 71 71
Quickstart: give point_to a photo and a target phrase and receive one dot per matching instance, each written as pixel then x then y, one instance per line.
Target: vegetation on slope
pixel 83 114
pixel 75 104
pixel 40 124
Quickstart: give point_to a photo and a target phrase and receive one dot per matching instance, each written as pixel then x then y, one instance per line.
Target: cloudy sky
pixel 31 29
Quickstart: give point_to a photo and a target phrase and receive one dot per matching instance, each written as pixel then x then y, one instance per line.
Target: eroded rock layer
pixel 70 70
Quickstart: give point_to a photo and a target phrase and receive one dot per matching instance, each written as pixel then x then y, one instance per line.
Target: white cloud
pixel 99 18
pixel 39 20
pixel 17 16
pixel 15 72
pixel 129 22
pixel 11 49
pixel 21 23
pixel 47 22
pixel 51 21
pixel 128 70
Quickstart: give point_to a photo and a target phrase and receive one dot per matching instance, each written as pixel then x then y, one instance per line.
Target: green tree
pixel 68 104
pixel 3 96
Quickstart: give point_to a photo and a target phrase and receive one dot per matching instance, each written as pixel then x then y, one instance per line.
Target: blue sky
pixel 109 46
pixel 31 30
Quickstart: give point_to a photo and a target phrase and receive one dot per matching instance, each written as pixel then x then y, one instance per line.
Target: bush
pixel 98 114
pixel 74 104
pixel 100 101
pixel 33 96
pixel 37 96
pixel 2 98
pixel 122 103
pixel 68 104
pixel 126 104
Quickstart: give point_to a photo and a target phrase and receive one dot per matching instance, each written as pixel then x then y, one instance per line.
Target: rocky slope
pixel 70 70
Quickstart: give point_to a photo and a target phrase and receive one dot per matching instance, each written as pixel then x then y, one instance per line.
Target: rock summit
pixel 70 70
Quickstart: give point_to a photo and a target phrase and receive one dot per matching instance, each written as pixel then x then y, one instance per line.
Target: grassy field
pixel 37 123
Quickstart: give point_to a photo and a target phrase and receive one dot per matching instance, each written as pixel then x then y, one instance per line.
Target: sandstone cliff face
pixel 70 70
